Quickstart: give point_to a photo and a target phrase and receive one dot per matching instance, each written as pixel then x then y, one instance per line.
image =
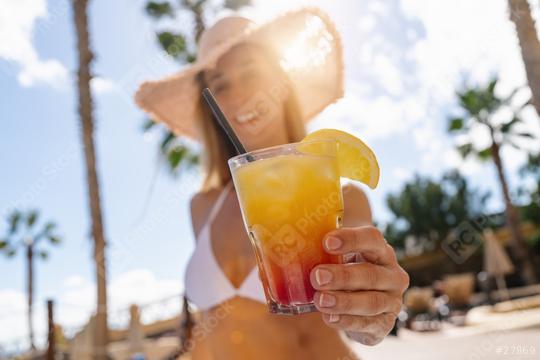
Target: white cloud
pixel 474 37
pixel 451 159
pixel 463 41
pixel 18 22
pixel 73 281
pixel 372 119
pixel 49 72
pixel 140 287
pixel 102 85
pixel 402 174
pixel 388 74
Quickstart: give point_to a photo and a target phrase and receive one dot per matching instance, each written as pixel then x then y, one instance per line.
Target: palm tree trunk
pixel 520 14
pixel 30 289
pixel 197 10
pixel 519 246
pixel 85 112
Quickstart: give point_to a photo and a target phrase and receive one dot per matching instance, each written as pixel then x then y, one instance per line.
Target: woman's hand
pixel 362 298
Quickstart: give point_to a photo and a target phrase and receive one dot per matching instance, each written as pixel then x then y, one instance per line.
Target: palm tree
pixel 87 125
pixel 174 151
pixel 23 232
pixel 520 14
pixel 479 105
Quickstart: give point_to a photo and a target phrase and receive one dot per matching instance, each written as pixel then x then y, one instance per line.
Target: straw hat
pixel 306 42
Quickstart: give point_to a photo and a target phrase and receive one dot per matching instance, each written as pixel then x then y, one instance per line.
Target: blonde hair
pixel 216 147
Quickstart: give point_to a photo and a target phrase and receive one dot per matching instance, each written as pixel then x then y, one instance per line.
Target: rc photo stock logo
pixel 283 246
pixel 464 240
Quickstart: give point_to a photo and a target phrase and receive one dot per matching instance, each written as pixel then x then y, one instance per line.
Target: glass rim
pixel 271 149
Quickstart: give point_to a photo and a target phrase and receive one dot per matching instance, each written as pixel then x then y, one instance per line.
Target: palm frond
pixel 148 124
pixel 456 124
pixel 166 141
pixel 507 127
pixel 159 9
pixel 10 252
pixel 14 220
pixel 465 149
pixel 484 154
pixel 31 218
pixel 55 240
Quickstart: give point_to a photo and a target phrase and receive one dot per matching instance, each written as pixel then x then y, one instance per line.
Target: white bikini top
pixel 206 284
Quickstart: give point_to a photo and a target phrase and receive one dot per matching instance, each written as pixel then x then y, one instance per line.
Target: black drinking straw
pixel 222 120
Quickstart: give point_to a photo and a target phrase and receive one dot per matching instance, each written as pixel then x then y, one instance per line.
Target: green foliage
pixel 456 124
pixel 531 211
pixel 13 220
pixel 465 149
pixel 478 106
pixel 159 9
pixel 49 227
pixel 180 154
pixel 31 218
pixel 54 239
pixel 428 210
pixel 531 170
pixel 394 236
pixel 534 242
pixel 148 124
pixel 505 128
pixel 479 101
pixel 23 231
pixel 175 45
pixel 173 150
pixel 485 154
pixel 532 167
pixel 177 154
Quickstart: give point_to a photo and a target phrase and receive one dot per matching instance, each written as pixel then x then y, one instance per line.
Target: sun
pixel 309 48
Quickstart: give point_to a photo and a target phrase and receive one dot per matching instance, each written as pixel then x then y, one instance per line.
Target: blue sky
pixel 403 60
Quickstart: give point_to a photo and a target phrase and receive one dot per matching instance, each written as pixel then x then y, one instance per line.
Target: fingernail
pixel 323 276
pixel 327 300
pixel 332 243
pixel 333 318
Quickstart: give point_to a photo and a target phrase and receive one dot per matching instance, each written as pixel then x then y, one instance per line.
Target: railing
pixel 162 309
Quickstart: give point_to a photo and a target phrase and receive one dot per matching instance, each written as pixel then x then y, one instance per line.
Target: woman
pixel 270 80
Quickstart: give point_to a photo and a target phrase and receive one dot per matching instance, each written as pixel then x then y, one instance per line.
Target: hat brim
pixel 317 80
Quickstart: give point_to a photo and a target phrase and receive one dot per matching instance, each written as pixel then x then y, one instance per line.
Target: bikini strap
pixel 219 202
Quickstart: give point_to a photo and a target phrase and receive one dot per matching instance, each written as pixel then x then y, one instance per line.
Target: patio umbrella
pixel 496 261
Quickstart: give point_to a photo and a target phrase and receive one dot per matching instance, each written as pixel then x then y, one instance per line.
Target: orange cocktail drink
pixel 290 197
